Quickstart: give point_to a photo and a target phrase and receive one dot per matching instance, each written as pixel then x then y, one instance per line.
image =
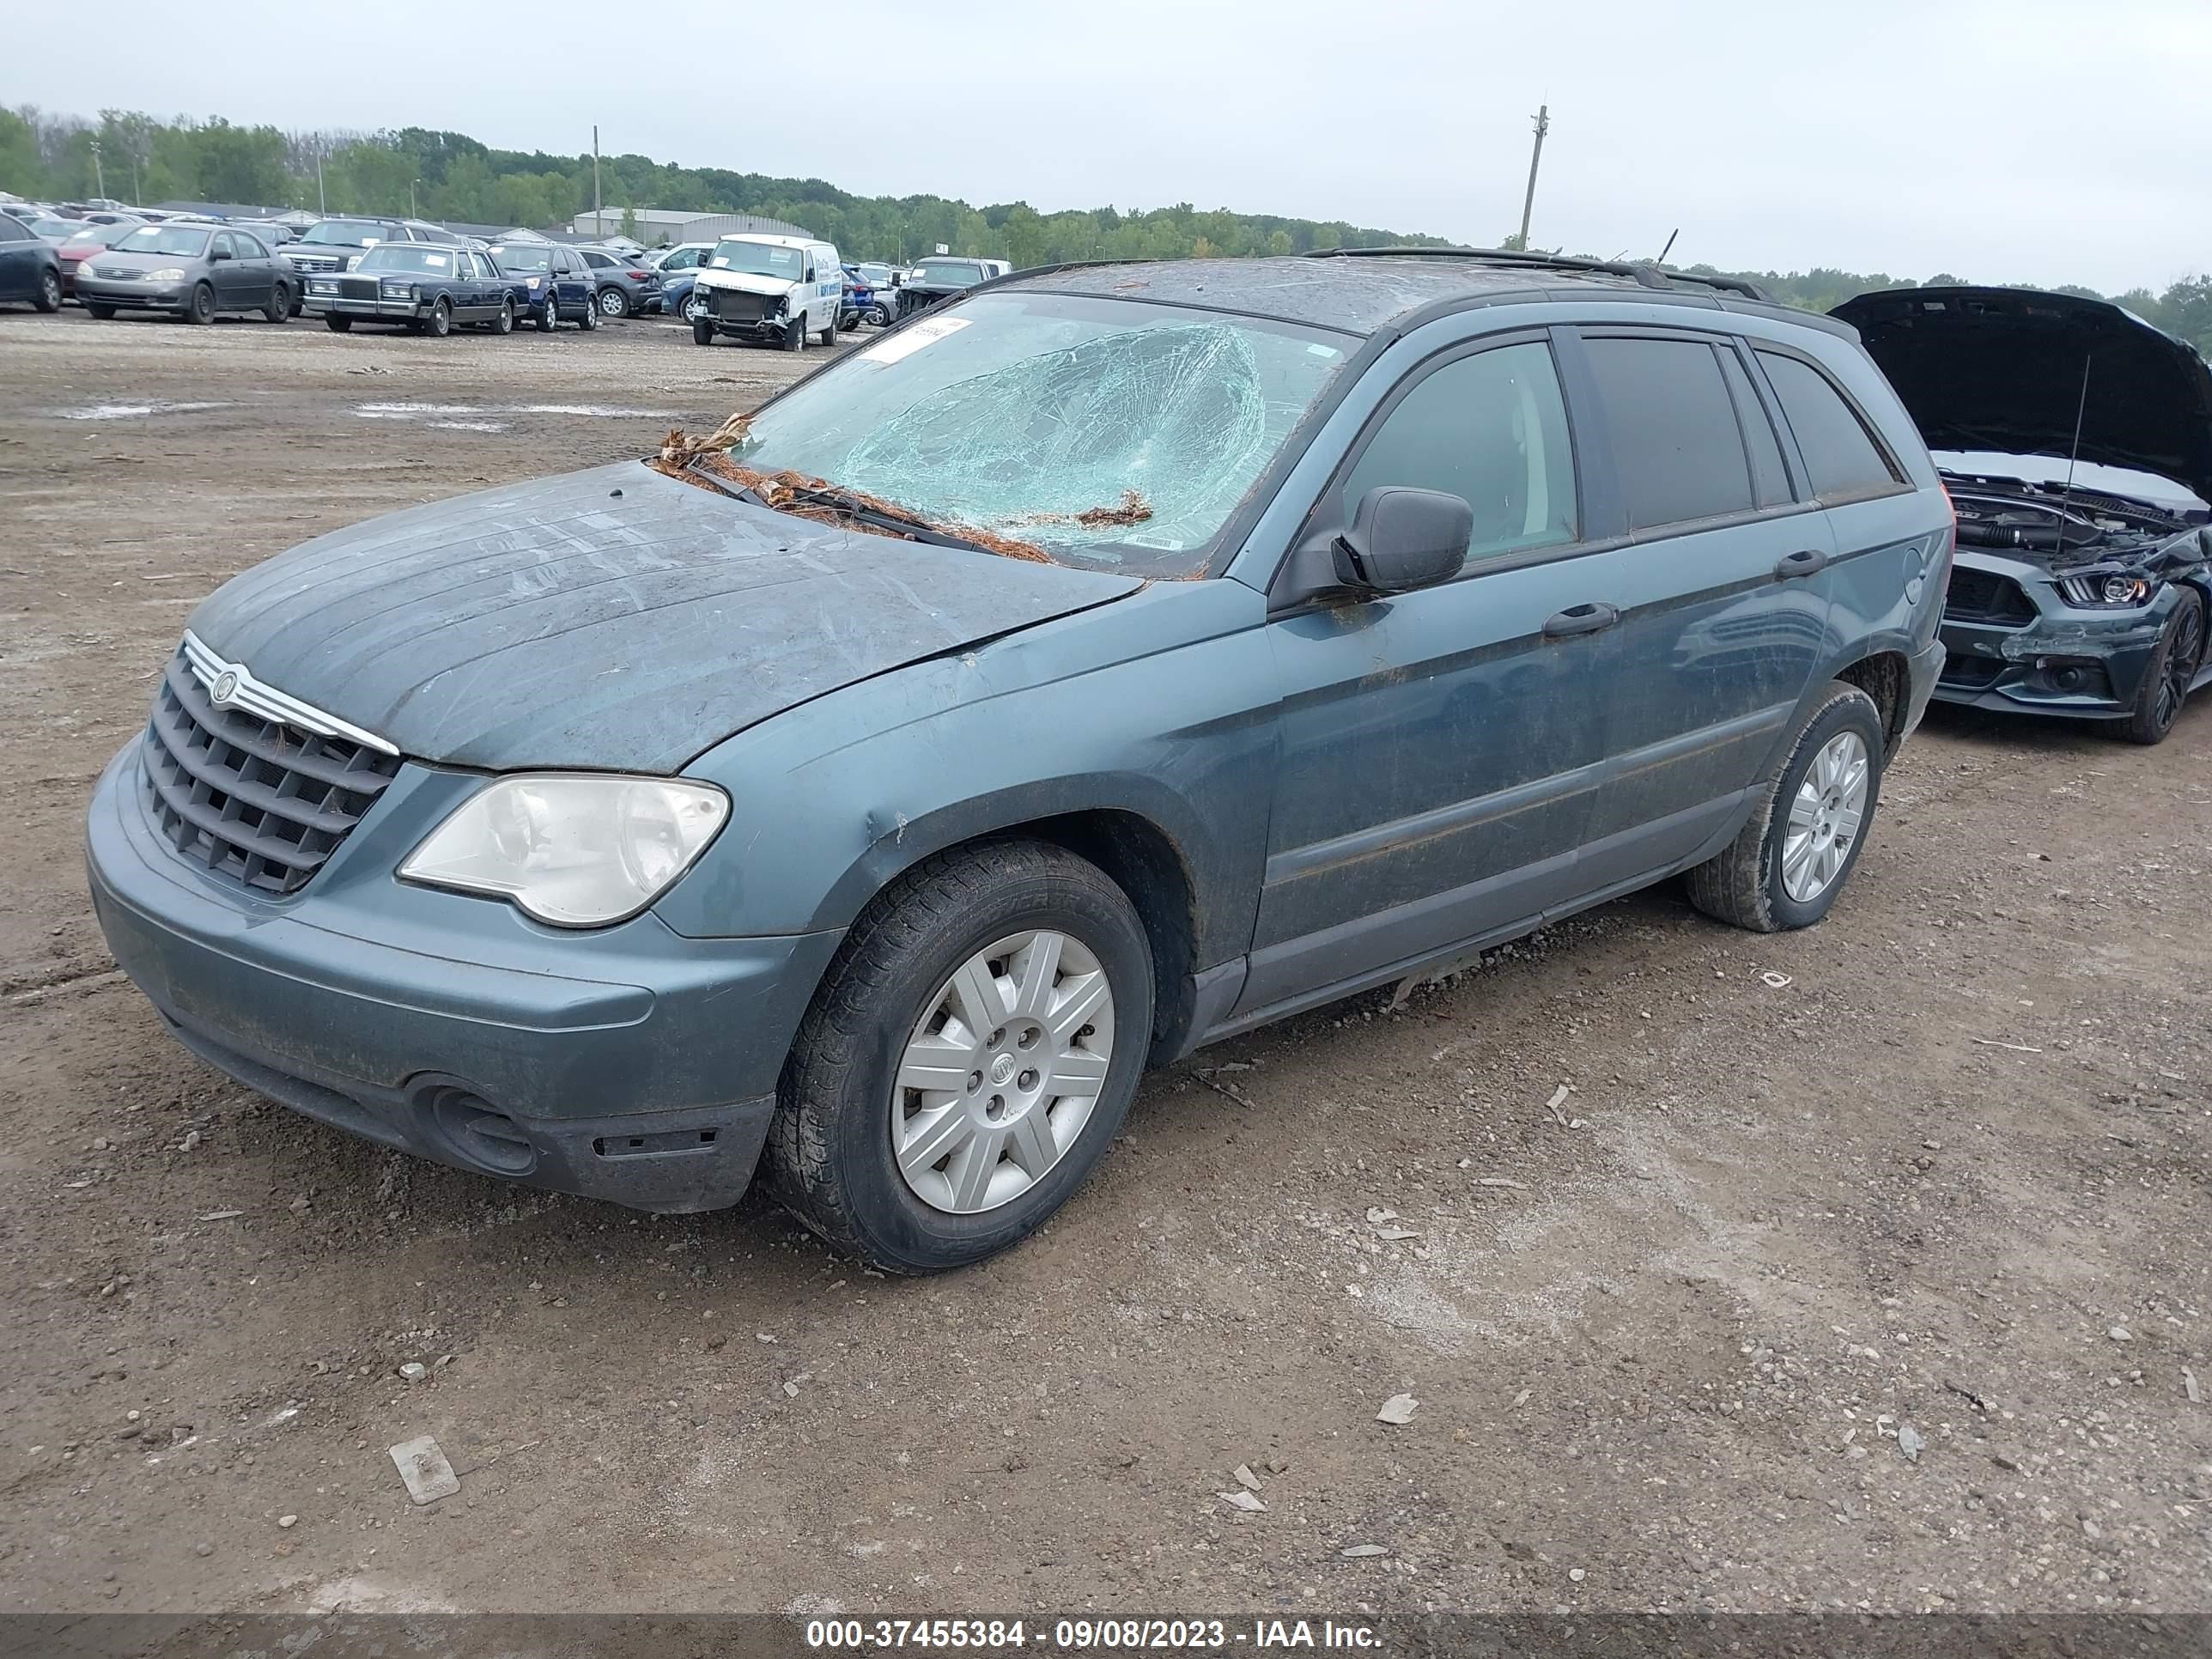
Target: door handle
pixel 1589 619
pixel 1806 561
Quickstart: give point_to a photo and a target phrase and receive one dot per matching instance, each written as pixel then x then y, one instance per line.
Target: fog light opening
pixel 479 1132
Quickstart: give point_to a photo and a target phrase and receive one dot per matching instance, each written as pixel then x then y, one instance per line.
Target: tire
pixel 279 308
pixel 339 324
pixel 832 1156
pixel 794 334
pixel 703 331
pixel 100 312
pixel 881 316
pixel 504 322
pixel 439 322
pixel 550 318
pixel 1746 885
pixel 200 308
pixel 829 333
pixel 299 304
pixel 2166 682
pixel 49 296
pixel 613 302
pixel 589 319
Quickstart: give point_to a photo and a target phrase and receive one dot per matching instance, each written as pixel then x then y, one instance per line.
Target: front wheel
pixel 830 332
pixel 967 1058
pixel 550 318
pixel 49 297
pixel 200 308
pixel 2172 670
pixel 440 320
pixel 279 308
pixel 795 333
pixel 1786 865
pixel 881 316
pixel 100 312
pixel 589 319
pixel 703 331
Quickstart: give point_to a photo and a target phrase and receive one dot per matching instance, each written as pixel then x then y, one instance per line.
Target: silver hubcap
pixel 1825 817
pixel 1002 1072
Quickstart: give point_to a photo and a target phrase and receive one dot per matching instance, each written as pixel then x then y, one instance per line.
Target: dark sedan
pixel 189 270
pixel 429 290
pixel 28 267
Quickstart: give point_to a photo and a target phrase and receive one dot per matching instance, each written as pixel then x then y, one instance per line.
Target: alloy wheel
pixel 1002 1072
pixel 1825 817
pixel 2180 664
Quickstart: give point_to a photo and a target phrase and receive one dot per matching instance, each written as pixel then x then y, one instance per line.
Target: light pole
pixel 412 183
pixel 99 175
pixel 322 202
pixel 1536 161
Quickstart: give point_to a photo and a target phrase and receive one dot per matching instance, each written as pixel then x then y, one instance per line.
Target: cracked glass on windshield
pixel 1109 433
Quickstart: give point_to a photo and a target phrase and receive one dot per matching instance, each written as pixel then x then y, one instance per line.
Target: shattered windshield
pixel 1104 432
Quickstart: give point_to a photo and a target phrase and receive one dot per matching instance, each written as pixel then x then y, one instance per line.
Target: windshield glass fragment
pixel 1107 433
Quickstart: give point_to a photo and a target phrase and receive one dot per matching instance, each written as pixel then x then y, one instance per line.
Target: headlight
pixel 167 274
pixel 571 849
pixel 2106 591
pixel 350 262
pixel 534 282
pixel 322 285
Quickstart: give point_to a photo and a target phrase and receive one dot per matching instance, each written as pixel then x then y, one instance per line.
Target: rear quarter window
pixel 1841 456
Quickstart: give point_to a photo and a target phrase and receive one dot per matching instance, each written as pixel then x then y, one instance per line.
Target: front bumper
pixel 2048 657
pixel 630 1063
pixel 130 296
pixel 373 311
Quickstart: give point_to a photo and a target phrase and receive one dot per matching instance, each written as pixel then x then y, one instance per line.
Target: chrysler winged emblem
pixel 231 685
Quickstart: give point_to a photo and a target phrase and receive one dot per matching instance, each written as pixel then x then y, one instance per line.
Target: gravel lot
pixel 1940 1163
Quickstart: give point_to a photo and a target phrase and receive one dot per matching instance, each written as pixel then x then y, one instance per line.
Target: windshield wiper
pixel 876 516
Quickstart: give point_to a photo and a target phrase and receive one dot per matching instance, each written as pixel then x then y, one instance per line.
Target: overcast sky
pixel 2045 141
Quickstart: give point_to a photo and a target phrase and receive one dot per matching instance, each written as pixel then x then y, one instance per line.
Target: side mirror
pixel 220 253
pixel 1402 539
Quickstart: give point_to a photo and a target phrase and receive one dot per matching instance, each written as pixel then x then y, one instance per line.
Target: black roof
pixel 1362 291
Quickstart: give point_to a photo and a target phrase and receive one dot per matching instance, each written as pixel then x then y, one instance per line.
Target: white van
pixel 779 289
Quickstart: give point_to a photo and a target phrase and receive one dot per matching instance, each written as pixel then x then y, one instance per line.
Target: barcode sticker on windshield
pixel 911 338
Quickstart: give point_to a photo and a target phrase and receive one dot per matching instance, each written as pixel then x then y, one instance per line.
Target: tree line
pixel 451 176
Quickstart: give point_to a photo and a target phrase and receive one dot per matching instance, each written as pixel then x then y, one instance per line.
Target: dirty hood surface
pixel 2001 368
pixel 611 618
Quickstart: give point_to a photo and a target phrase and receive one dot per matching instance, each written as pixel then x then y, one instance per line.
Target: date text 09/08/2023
pixel 1132 1635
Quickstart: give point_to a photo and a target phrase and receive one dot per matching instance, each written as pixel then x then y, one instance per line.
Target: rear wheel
pixel 99 311
pixel 504 322
pixel 1785 867
pixel 200 308
pixel 2173 670
pixel 881 316
pixel 279 308
pixel 49 297
pixel 967 1058
pixel 613 302
pixel 339 324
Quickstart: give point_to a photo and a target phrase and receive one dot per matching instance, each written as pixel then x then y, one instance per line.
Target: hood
pixel 109 257
pixel 745 282
pixel 2001 368
pixel 613 618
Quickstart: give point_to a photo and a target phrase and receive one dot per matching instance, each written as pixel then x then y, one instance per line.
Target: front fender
pixel 1159 705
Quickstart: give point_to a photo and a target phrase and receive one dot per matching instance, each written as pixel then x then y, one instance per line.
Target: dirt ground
pixel 1939 1162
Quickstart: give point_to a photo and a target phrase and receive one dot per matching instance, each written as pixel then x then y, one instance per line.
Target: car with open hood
pixel 2075 440
pixel 1113 660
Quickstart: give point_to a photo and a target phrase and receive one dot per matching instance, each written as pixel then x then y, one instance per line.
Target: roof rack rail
pixel 1650 275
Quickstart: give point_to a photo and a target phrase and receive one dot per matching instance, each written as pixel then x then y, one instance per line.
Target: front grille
pixel 315 262
pixel 733 306
pixel 1979 596
pixel 259 800
pixel 114 273
pixel 357 287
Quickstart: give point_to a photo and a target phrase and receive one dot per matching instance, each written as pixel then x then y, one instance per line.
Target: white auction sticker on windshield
pixel 911 338
pixel 436 261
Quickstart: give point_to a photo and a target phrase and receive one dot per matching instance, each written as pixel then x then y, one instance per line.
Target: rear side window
pixel 1676 441
pixel 1770 479
pixel 1492 429
pixel 1841 457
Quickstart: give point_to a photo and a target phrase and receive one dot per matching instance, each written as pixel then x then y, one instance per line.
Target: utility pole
pixel 322 201
pixel 1536 159
pixel 412 183
pixel 98 177
pixel 598 223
